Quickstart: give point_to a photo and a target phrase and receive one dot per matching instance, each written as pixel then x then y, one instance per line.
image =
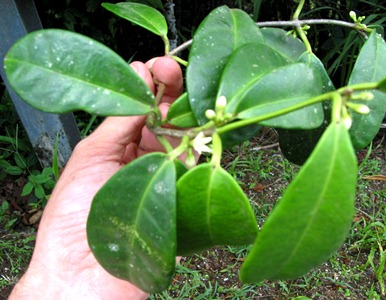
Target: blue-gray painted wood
pixel 17 18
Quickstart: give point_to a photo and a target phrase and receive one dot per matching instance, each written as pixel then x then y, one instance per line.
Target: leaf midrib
pixel 73 78
pixel 317 206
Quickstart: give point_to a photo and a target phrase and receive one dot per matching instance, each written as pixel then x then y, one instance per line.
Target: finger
pixel 121 131
pixel 167 71
pixel 118 131
pixel 144 72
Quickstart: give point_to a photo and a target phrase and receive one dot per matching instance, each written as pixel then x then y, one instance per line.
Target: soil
pixel 219 267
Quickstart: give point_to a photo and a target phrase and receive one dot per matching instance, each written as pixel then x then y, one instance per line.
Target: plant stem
pixel 245 122
pixel 181 47
pixel 160 93
pixel 217 150
pixel 292 23
pixel 166 43
pixel 298 10
pixel 301 33
pixel 209 127
pixel 295 23
pixel 180 61
pixel 180 149
pixel 165 143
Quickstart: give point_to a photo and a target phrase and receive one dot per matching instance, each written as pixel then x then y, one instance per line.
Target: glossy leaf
pixel 298 144
pixel 222 31
pixel 131 227
pixel 140 14
pixel 280 89
pixel 382 85
pixel 181 169
pixel 289 47
pixel 180 113
pixel 247 65
pixel 369 67
pixel 60 71
pixel 312 218
pixel 237 136
pixel 154 3
pixel 212 210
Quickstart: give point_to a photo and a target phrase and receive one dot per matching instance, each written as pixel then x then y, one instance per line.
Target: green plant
pixel 239 77
pixel 4 219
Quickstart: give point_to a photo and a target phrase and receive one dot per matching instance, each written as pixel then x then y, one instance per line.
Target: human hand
pixel 62 265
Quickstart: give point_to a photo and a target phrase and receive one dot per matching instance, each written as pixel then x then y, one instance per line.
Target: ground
pixel 354 272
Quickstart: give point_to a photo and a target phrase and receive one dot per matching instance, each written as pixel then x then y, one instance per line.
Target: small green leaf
pixel 140 14
pixel 20 161
pixel 27 189
pixel 369 67
pixel 212 210
pixel 313 217
pixel 222 32
pixel 39 192
pixel 60 71
pixel 180 113
pixel 131 227
pixel 13 170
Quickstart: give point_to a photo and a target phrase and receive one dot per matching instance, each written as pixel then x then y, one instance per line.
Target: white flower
pixel 200 143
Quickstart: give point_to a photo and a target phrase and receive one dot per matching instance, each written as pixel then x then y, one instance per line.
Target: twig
pixel 293 23
pixel 181 47
pixel 265 147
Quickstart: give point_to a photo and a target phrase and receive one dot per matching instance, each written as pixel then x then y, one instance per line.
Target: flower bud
pixel 221 102
pixel 359 108
pixel 210 114
pixel 353 16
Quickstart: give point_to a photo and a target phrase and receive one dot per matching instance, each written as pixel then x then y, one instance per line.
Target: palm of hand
pixel 61 247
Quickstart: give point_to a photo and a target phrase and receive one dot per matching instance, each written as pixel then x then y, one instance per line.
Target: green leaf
pixel 212 210
pixel 140 14
pixel 298 144
pixel 13 170
pixel 369 67
pixel 20 161
pixel 312 219
pixel 154 3
pixel 280 89
pixel 59 71
pixel 181 169
pixel 247 65
pixel 222 32
pixel 382 85
pixel 27 189
pixel 131 227
pixel 239 135
pixel 180 113
pixel 289 47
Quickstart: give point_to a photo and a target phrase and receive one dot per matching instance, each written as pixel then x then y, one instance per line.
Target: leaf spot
pixel 113 247
pixel 151 168
pixel 160 188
